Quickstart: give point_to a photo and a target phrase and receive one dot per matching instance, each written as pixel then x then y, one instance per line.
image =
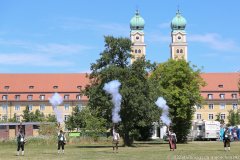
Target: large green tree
pixel 179 84
pixel 137 107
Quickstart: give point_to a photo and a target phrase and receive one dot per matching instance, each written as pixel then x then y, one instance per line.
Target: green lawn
pixel 141 151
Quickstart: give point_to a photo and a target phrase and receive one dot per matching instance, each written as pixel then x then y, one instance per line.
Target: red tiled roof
pixel 43 83
pixel 229 81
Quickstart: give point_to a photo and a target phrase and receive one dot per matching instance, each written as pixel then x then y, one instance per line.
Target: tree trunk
pixel 128 141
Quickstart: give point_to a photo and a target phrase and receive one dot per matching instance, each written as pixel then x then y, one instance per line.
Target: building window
pixel 222 105
pixel 17 97
pixel 235 106
pixel 210 106
pixel 42 107
pixel 181 51
pixel 220 86
pixel 210 116
pixel 177 50
pixel 55 87
pixel 139 51
pixel 199 116
pixel 30 107
pixel 135 50
pixel 210 96
pixel 4 118
pixel 17 108
pixel 4 107
pixel 234 96
pixel 66 117
pixel 29 97
pixel 66 107
pixel 222 96
pixel 66 97
pixel 199 106
pixel 31 87
pixel 4 97
pixel 222 116
pixel 78 97
pixel 42 97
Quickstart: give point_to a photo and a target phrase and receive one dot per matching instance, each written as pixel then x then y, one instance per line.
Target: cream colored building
pixel 18 91
pixel 221 94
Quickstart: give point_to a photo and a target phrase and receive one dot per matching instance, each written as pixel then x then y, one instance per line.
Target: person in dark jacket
pixel 20 142
pixel 226 139
pixel 61 141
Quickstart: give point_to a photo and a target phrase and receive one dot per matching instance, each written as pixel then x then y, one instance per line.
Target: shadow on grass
pixel 95 146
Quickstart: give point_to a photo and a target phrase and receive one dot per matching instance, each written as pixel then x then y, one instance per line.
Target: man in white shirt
pixel 115 141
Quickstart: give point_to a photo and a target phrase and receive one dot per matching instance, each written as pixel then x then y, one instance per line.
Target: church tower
pixel 178 47
pixel 137 37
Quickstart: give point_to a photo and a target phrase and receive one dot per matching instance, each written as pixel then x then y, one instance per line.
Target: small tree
pixel 13 119
pixel 233 117
pixel 218 118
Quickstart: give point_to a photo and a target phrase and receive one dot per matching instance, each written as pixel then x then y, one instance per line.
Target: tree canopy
pixel 137 108
pixel 179 84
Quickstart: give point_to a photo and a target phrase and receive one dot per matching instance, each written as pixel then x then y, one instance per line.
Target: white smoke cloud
pixel 56 100
pixel 161 103
pixel 113 89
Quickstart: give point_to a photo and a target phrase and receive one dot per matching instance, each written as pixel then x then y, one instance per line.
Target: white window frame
pixel 42 97
pixel 30 97
pixel 199 116
pixel 210 106
pixel 210 96
pixel 234 106
pixel 222 96
pixel 42 107
pixel 211 116
pixel 223 116
pixel 66 107
pixel 17 107
pixel 222 105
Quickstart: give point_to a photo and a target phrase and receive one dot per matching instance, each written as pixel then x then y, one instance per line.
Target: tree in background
pixel 218 118
pixel 14 118
pixel 33 117
pixel 179 84
pixel 233 118
pixel 137 108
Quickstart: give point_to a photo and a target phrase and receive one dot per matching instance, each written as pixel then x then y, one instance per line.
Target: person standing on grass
pixel 20 142
pixel 226 139
pixel 115 141
pixel 61 141
pixel 172 138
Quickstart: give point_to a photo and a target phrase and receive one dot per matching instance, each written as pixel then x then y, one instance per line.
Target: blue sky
pixel 66 36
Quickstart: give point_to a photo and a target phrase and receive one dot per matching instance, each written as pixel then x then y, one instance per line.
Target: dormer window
pixel 4 97
pixel 66 97
pixel 6 87
pixel 55 87
pixel 222 96
pixel 17 97
pixel 42 97
pixel 79 87
pixel 210 96
pixel 78 97
pixel 31 87
pixel 220 86
pixel 234 96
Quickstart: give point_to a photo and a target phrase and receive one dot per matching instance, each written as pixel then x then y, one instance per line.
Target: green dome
pixel 137 22
pixel 178 22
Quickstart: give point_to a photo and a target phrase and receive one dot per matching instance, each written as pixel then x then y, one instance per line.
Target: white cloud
pixel 50 48
pixel 215 41
pixel 31 60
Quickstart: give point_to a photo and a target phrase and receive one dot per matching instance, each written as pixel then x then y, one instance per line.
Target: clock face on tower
pixel 179 38
pixel 137 38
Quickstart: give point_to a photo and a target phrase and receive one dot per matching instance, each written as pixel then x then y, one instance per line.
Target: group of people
pixel 21 140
